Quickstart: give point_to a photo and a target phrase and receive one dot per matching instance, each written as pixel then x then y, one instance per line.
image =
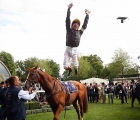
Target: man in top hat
pixel 73 35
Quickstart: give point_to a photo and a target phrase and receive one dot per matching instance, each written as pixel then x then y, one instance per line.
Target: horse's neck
pixel 46 82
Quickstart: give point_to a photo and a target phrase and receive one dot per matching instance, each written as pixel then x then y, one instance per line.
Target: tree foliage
pixel 122 59
pixel 105 73
pixel 89 66
pixel 121 64
pixel 50 67
pixel 96 63
pixel 55 68
pixel 8 60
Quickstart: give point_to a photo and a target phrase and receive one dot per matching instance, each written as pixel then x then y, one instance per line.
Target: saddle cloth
pixel 69 87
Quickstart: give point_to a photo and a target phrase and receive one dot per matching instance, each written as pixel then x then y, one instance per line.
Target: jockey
pixel 73 36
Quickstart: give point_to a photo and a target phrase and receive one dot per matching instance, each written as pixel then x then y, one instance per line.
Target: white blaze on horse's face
pixel 27 77
pixel 27 82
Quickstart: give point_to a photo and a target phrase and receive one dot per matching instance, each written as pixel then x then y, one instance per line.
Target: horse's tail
pixel 85 102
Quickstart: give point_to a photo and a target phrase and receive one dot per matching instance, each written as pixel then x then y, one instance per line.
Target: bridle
pixel 35 76
pixel 32 82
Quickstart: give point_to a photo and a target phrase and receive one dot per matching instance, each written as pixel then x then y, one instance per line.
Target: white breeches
pixel 71 53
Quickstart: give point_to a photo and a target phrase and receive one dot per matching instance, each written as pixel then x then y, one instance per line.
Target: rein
pixel 53 90
pixel 32 82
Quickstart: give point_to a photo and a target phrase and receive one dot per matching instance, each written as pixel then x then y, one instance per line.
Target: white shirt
pixel 25 95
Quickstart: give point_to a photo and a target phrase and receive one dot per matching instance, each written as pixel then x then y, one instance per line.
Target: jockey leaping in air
pixel 73 35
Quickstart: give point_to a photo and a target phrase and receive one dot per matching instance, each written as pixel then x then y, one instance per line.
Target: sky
pixel 36 28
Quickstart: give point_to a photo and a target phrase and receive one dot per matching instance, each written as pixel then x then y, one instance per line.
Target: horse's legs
pixel 76 108
pixel 81 108
pixel 57 111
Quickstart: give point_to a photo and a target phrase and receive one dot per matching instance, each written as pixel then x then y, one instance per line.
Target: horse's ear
pixel 36 67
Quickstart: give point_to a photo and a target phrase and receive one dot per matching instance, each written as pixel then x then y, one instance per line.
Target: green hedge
pixel 26 106
pixel 32 105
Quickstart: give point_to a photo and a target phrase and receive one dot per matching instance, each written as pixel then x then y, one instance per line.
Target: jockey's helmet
pixel 76 21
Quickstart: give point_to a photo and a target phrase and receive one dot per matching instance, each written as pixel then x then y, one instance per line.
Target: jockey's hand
pixel 70 5
pixel 87 11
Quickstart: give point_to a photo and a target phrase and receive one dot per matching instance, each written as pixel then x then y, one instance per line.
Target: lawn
pixel 97 111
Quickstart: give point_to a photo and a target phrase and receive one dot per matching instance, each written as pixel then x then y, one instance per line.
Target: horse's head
pixel 32 77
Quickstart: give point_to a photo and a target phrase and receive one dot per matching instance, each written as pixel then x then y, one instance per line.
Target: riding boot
pixel 76 71
pixel 70 70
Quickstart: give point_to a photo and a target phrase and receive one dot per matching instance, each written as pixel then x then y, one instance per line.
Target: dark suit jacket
pixel 3 101
pixel 14 106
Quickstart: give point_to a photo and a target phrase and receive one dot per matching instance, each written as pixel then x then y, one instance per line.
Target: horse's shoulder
pixel 78 84
pixel 74 82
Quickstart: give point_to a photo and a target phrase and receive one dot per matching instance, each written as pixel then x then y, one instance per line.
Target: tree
pixel 96 63
pixel 121 60
pixel 50 67
pixel 23 67
pixel 131 71
pixel 29 63
pixel 120 65
pixel 45 65
pixel 85 70
pixel 54 68
pixel 105 73
pixel 114 70
pixel 8 60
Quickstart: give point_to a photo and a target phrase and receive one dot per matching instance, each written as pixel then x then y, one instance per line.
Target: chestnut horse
pixel 56 94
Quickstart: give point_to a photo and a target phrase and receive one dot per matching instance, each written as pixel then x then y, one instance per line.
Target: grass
pixel 97 111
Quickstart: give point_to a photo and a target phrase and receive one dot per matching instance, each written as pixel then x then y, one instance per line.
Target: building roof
pixel 96 80
pixel 4 72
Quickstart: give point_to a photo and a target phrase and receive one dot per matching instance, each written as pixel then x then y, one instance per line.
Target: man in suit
pixel 123 93
pixel 110 91
pixel 138 90
pixel 133 92
pixel 3 100
pixel 1 87
pixel 103 93
pixel 15 98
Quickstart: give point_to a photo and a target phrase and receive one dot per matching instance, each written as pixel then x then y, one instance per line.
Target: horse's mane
pixel 48 76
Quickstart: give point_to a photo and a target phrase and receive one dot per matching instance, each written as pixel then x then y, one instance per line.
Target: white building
pixel 96 80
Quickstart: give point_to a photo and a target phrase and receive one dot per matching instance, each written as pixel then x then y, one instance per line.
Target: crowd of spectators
pixel 119 90
pixel 99 92
pixel 96 93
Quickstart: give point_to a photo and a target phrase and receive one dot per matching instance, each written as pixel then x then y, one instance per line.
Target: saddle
pixel 69 87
